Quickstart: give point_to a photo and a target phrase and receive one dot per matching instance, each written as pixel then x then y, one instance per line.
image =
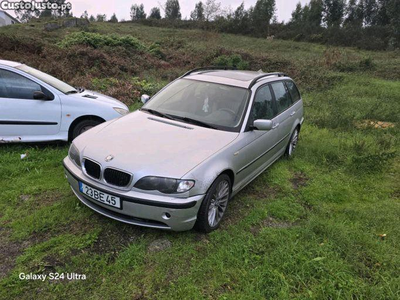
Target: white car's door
pixel 20 114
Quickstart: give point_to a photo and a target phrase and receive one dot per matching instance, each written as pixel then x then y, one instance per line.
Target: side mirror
pixel 264 125
pixel 39 95
pixel 145 98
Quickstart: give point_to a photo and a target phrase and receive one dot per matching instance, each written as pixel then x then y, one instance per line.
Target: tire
pixel 294 139
pixel 83 126
pixel 211 212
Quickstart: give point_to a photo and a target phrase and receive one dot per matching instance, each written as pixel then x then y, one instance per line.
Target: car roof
pixel 9 63
pixel 243 79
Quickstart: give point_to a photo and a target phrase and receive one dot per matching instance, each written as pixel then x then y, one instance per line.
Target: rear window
pixel 294 92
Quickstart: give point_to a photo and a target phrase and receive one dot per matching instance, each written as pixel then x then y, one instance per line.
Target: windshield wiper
pixel 157 113
pixel 195 122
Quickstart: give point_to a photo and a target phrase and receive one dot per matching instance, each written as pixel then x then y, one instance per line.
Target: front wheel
pixel 83 126
pixel 214 204
pixel 291 147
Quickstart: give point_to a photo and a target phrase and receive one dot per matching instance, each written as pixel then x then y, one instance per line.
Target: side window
pixel 263 107
pixel 294 92
pixel 15 86
pixel 282 97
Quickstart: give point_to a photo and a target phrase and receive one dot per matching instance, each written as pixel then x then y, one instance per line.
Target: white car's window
pixel 282 97
pixel 50 80
pixel 263 107
pixel 15 86
pixel 215 104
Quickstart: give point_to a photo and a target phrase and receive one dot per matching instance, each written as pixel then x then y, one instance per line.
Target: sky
pixel 122 7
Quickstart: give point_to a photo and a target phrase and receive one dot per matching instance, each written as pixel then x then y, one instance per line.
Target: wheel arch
pixel 231 175
pixel 82 118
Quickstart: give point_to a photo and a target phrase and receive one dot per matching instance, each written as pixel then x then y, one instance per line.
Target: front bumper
pixel 138 208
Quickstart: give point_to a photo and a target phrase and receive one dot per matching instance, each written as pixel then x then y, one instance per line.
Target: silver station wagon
pixel 175 163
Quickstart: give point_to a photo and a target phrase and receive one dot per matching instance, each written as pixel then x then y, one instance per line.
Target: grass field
pixel 324 225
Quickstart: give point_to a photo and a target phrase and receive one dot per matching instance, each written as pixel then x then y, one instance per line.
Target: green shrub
pixel 103 84
pixel 234 60
pixel 146 87
pixel 97 40
pixel 155 49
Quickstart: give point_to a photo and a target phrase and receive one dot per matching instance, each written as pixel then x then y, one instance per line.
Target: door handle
pixel 292 114
pixel 276 125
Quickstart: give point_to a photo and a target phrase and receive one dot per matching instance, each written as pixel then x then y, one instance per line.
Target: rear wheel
pixel 293 143
pixel 214 205
pixel 83 126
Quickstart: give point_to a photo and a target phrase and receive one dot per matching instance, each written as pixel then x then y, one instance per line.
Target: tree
pixel 137 12
pixel 353 14
pixel 262 15
pixel 101 18
pixel 172 10
pixel 314 17
pixel 382 16
pixel 155 13
pixel 92 18
pixel 26 15
pixel 333 12
pixel 241 22
pixel 85 15
pixel 211 10
pixel 198 13
pixel 63 11
pixel 394 15
pixel 297 14
pixel 114 18
pixel 370 12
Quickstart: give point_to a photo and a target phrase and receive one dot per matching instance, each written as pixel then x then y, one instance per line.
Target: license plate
pixel 99 196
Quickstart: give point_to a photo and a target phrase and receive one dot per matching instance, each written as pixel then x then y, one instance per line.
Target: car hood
pixel 97 97
pixel 146 145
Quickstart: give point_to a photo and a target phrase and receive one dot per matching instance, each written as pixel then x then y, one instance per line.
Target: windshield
pixel 217 105
pixel 50 80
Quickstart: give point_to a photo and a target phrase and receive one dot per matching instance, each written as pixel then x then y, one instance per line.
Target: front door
pixel 259 148
pixel 20 114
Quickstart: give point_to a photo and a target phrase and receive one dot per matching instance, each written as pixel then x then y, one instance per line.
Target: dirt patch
pixel 113 238
pixel 374 124
pixel 299 180
pixel 9 251
pixel 159 245
pixel 41 200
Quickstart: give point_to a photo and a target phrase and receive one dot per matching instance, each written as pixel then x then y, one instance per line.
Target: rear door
pixel 285 118
pixel 20 114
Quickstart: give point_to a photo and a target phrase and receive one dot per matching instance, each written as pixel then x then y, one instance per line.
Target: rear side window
pixel 294 92
pixel 15 86
pixel 283 100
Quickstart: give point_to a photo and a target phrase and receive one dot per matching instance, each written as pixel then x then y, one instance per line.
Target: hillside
pixel 323 225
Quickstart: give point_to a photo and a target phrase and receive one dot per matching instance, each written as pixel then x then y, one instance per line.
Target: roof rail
pixel 208 69
pixel 254 81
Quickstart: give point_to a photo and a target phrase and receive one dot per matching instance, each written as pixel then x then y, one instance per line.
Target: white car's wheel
pixel 83 126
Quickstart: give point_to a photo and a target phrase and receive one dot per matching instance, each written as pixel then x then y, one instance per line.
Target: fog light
pixel 166 216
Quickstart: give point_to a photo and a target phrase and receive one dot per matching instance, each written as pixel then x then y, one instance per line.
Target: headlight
pixel 73 154
pixel 121 111
pixel 164 185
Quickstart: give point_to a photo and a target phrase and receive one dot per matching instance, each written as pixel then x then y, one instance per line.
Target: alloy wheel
pixel 293 142
pixel 218 203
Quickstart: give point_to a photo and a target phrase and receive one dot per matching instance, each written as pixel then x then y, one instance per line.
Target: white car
pixel 36 107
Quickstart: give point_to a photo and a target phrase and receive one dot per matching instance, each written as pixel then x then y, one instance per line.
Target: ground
pixel 323 225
